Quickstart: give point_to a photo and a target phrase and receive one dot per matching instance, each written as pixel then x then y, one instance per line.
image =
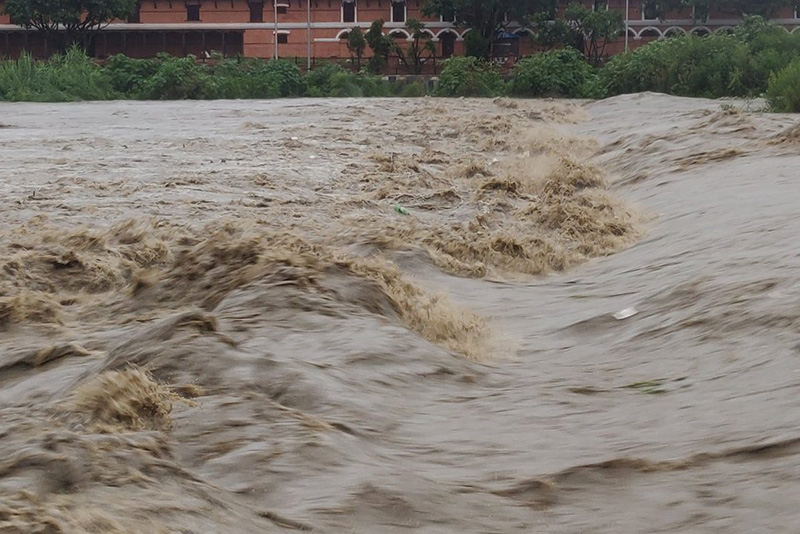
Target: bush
pixel 556 73
pixel 783 92
pixel 739 64
pixel 771 49
pixel 284 74
pixel 332 80
pixel 178 79
pixel 318 81
pixel 711 66
pixel 469 76
pixel 255 78
pixel 128 76
pixel 413 90
pixel 351 85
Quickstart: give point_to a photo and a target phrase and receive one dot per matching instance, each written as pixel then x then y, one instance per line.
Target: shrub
pixel 783 92
pixel 178 79
pixel 739 64
pixel 771 49
pixel 332 80
pixel 556 73
pixel 256 78
pixel 318 81
pixel 128 76
pixel 711 66
pixel 469 76
pixel 413 90
pixel 285 73
pixel 347 84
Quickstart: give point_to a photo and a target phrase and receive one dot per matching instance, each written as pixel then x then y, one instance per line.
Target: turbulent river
pixel 384 316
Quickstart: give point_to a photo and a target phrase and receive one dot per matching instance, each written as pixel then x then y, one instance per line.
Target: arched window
pixel 649 33
pixel 399 35
pixel 675 32
pixel 448 40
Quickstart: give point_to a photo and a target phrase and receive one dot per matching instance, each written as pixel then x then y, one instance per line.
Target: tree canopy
pixel 488 17
pixel 68 21
pixel 356 44
pixel 381 45
pixel 731 7
pixel 419 50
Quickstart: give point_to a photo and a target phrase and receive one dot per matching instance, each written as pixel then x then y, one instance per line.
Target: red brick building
pixel 296 29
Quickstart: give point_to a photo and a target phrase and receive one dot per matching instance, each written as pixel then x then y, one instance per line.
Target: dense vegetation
pixel 74 76
pixel 758 58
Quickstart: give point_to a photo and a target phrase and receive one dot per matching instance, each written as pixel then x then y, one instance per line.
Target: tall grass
pixel 74 76
pixel 62 78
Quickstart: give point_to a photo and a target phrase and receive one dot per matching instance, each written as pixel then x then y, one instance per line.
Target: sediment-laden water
pixel 385 316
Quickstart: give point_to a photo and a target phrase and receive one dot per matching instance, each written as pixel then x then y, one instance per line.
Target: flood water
pixel 214 318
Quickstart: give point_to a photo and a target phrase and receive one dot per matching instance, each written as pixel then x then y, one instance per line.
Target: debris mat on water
pixel 125 400
pixel 535 215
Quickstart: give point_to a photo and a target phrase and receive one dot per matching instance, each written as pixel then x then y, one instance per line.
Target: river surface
pixel 218 317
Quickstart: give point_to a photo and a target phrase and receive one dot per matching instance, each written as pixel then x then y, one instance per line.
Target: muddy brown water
pixel 299 395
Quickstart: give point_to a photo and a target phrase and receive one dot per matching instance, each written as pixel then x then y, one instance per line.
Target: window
pixel 448 40
pixel 256 11
pixel 650 11
pixel 650 33
pixel 599 5
pixel 282 9
pixel 398 11
pixel 348 11
pixel 283 38
pixel 193 12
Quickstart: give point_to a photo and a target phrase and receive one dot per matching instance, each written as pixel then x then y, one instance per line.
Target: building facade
pixel 318 29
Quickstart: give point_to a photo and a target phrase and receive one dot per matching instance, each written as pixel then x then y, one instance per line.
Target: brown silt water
pixel 389 315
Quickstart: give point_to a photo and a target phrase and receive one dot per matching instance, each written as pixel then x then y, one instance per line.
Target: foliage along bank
pixel 758 58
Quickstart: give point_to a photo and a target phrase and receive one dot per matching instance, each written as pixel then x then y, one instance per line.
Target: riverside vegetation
pixel 757 58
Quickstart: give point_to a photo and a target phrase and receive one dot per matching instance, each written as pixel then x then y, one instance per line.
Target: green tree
pixel 593 29
pixel 381 45
pixel 68 22
pixel 356 44
pixel 486 17
pixel 420 50
pixel 731 7
pixel 551 34
pixel 783 92
pixel 476 45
